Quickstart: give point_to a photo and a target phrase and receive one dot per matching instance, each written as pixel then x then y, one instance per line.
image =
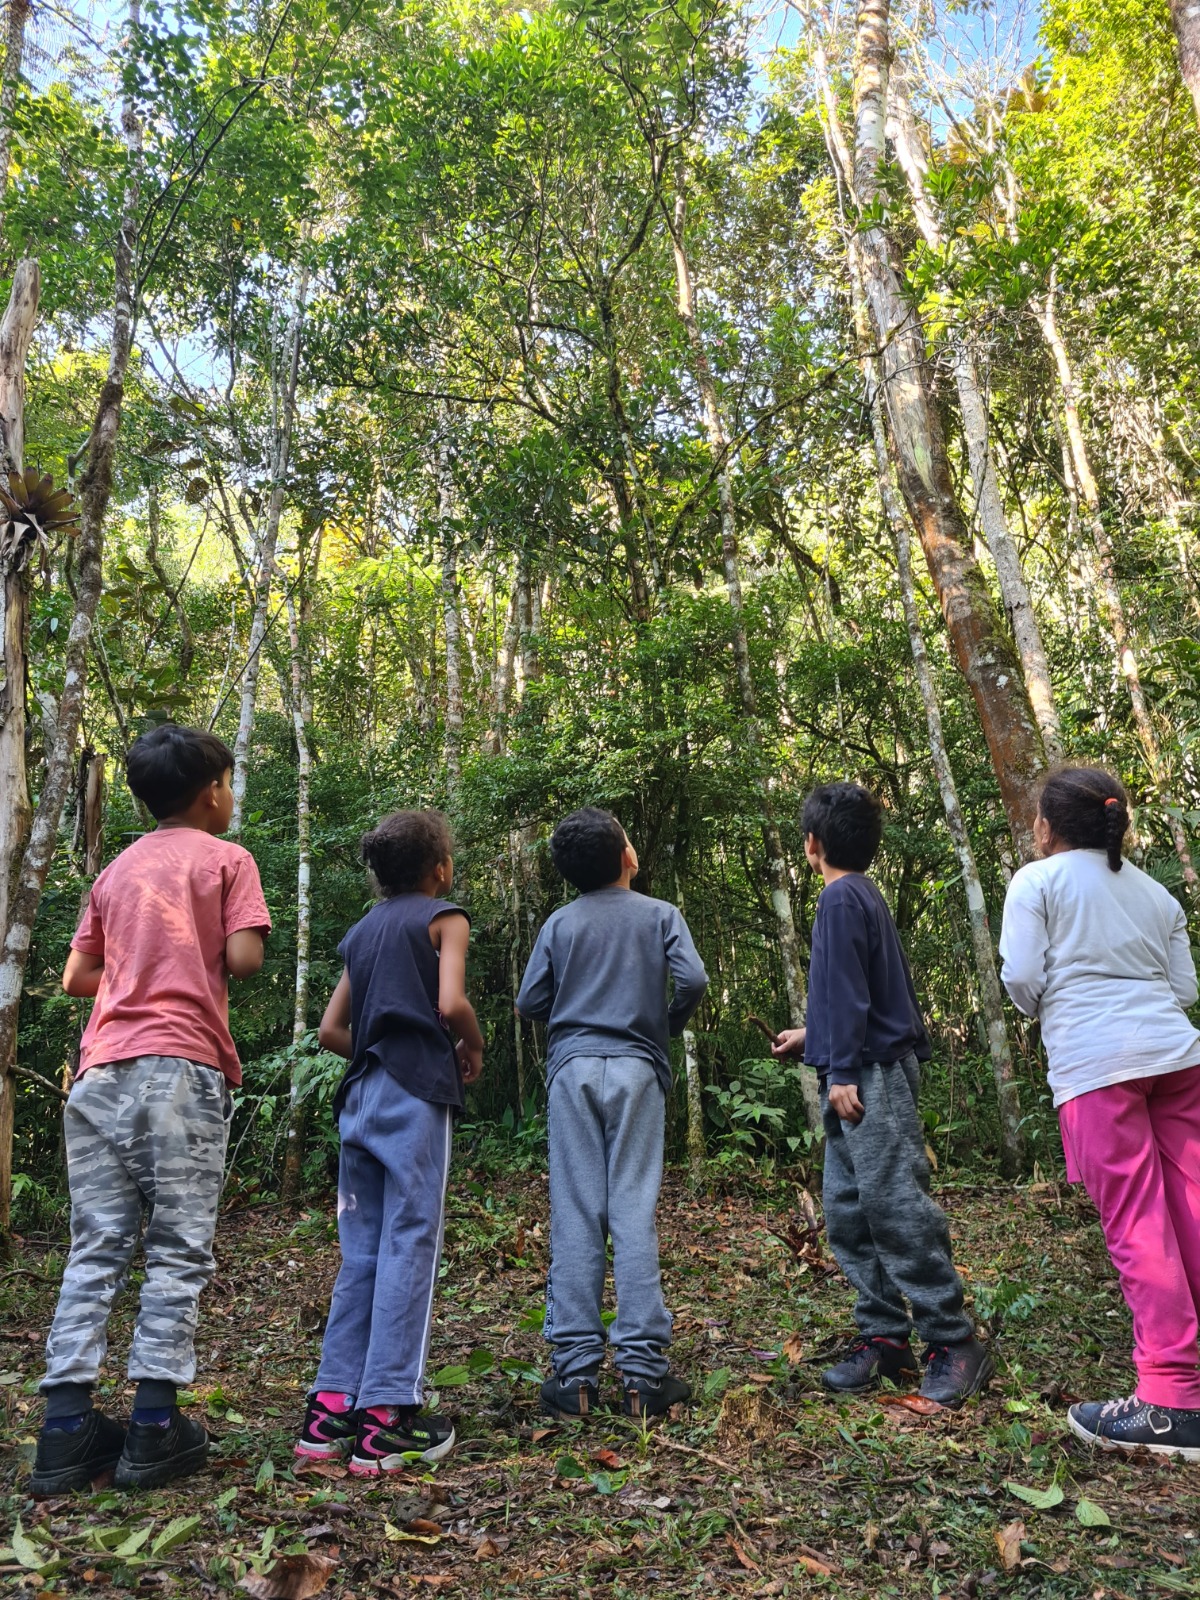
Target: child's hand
pixel 789 1043
pixel 470 1062
pixel 843 1097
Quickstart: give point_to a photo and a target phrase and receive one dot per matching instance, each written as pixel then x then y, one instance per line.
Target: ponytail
pixel 1088 809
pixel 1116 821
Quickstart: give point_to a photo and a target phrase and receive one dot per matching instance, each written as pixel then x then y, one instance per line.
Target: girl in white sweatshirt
pixel 1099 953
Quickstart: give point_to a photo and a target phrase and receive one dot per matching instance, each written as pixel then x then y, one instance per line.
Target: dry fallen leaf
pixel 743 1559
pixel 1008 1542
pixel 291 1578
pixel 793 1349
pixel 608 1458
pixel 871 1535
pixel 486 1549
pixel 423 1525
pixel 321 1469
pixel 911 1402
pixel 542 1433
pixel 819 1569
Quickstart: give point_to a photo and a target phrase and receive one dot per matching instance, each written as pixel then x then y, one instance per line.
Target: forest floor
pixel 764 1488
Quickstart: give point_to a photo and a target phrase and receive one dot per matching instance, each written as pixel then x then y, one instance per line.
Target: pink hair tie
pixel 1113 801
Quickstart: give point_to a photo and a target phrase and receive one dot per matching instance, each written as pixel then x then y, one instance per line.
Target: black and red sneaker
pixel 409 1436
pixel 326 1435
pixel 954 1372
pixel 868 1360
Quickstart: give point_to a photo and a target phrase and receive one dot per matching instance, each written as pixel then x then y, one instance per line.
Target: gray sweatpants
pixel 888 1235
pixel 145 1137
pixel 606 1116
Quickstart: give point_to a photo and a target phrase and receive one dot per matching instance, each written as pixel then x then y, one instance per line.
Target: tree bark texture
pixel 285 416
pixel 719 446
pixel 453 725
pixel 989 504
pixel 981 645
pixel 1185 19
pixel 10 82
pixel 94 493
pixel 1112 605
pixel 293 1161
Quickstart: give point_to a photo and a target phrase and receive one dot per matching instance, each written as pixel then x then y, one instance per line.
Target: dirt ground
pixel 763 1488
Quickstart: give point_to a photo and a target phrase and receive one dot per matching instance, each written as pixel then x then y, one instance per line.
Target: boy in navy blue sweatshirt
pixel 865 1037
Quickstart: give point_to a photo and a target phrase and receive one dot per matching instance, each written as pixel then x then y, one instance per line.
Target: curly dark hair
pixel 405 847
pixel 848 821
pixel 1088 809
pixel 168 766
pixel 588 848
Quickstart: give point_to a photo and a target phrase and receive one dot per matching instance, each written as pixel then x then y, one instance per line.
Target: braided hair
pixel 1088 809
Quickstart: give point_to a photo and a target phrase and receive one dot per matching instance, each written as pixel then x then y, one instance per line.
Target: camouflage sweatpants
pixel 144 1137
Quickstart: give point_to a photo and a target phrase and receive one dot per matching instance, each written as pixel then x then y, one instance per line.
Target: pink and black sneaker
pixel 393 1438
pixel 330 1426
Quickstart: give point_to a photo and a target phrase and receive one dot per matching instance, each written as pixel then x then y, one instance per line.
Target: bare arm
pixel 451 935
pixel 82 974
pixel 244 952
pixel 333 1033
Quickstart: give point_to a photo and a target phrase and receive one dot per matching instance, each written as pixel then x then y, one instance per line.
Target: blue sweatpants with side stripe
pixel 392 1174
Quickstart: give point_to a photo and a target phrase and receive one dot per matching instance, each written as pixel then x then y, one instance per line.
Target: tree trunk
pixel 1185 18
pixel 1014 591
pixel 453 724
pixel 16 331
pixel 95 490
pixel 981 645
pixel 284 395
pixel 293 1161
pixel 14 55
pixel 991 998
pixel 1111 603
pixel 718 442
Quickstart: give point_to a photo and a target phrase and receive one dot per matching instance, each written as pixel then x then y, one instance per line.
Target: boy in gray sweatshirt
pixel 598 977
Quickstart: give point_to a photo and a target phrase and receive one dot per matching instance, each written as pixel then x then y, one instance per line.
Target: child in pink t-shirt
pixel 147 1122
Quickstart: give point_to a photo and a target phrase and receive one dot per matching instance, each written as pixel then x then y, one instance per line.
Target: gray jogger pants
pixel 606 1117
pixel 144 1137
pixel 392 1175
pixel 888 1235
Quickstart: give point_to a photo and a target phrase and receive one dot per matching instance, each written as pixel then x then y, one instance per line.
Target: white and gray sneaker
pixel 1134 1424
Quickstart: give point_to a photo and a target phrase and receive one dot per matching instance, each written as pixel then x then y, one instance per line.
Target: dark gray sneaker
pixel 1134 1424
pixel 869 1360
pixel 578 1397
pixel 68 1461
pixel 954 1372
pixel 643 1397
pixel 155 1454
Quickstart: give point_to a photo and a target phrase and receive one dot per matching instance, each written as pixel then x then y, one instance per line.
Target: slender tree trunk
pixel 451 621
pixel 495 738
pixel 1185 18
pixel 285 415
pixel 719 446
pixel 16 331
pixel 293 1161
pixel 981 644
pixel 95 490
pixel 10 82
pixel 989 503
pixel 1111 603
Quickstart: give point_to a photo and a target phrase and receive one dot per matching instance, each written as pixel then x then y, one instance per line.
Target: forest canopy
pixel 662 407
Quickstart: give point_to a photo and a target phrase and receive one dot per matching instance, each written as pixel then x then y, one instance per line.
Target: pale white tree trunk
pixel 451 622
pixel 1185 18
pixel 1111 602
pixel 16 331
pixel 989 503
pixel 95 490
pixel 10 81
pixel 719 447
pixel 293 1163
pixel 285 377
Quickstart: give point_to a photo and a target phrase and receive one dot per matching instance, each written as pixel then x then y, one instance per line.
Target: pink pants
pixel 1136 1148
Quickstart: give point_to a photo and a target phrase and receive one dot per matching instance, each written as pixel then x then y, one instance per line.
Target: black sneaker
pixel 326 1435
pixel 643 1397
pixel 954 1372
pixel 74 1460
pixel 394 1446
pixel 1134 1424
pixel 869 1360
pixel 578 1397
pixel 155 1454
